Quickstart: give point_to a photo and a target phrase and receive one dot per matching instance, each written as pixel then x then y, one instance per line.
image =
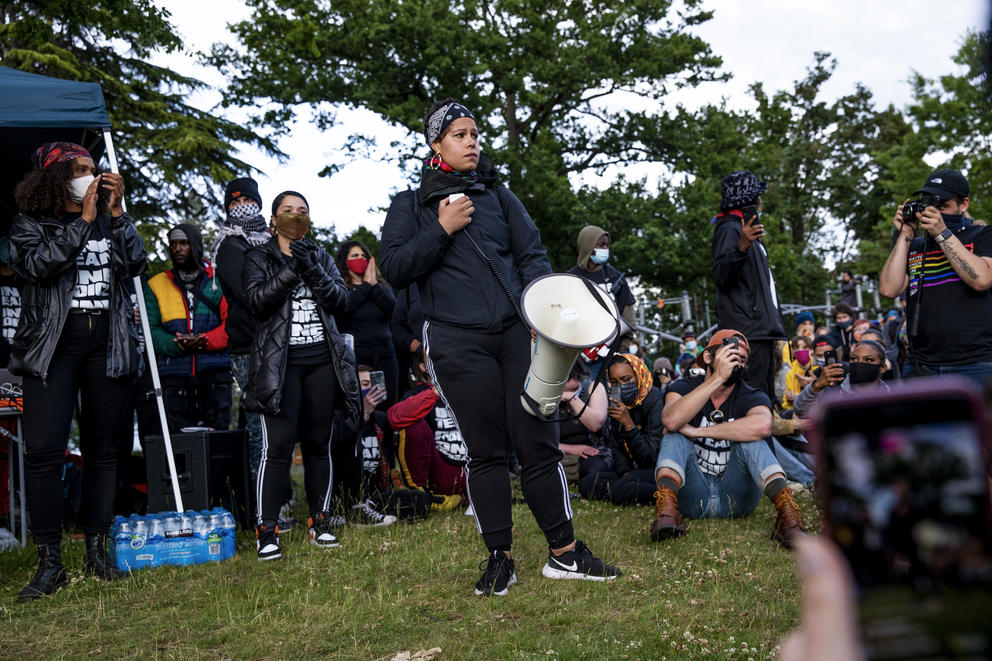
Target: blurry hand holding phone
pixel 904 483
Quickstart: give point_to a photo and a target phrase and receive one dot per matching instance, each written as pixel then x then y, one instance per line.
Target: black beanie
pixel 243 187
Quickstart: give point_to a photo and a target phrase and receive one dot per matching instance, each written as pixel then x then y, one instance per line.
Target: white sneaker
pixel 366 516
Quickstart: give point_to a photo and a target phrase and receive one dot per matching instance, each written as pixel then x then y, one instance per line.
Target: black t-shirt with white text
pixel 712 454
pixel 92 291
pixel 10 305
pixel 955 320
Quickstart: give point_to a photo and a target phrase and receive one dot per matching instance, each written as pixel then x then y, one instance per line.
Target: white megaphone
pixel 567 317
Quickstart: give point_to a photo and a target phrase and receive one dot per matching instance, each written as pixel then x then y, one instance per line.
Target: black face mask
pixel 843 324
pixel 864 372
pixel 954 221
pixel 735 376
pixel 628 393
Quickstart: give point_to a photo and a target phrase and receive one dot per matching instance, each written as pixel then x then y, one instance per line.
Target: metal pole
pixel 858 300
pixel 686 308
pixel 152 363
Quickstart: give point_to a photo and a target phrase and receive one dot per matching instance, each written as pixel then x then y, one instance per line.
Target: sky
pixel 876 43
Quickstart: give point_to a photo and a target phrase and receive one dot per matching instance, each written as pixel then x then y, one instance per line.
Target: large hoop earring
pixel 435 162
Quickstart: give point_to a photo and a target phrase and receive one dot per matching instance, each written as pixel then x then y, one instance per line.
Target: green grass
pixel 725 591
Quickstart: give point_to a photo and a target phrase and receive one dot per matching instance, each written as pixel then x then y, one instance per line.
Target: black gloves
pixel 304 254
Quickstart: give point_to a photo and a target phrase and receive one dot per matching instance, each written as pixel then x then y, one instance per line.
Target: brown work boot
pixel 789 521
pixel 668 522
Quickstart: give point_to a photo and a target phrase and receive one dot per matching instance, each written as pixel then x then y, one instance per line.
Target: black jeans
pixel 78 368
pixel 197 404
pixel 480 376
pixel 760 370
pixel 307 414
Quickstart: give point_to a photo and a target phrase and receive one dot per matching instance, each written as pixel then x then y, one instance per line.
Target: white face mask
pixel 600 255
pixel 78 186
pixel 691 345
pixel 632 349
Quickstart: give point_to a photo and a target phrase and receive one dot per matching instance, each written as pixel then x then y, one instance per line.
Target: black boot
pixel 50 575
pixel 96 559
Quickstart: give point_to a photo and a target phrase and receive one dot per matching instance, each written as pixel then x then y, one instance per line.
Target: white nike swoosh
pixel 573 567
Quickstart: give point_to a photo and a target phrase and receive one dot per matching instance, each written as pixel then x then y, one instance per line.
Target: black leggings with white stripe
pixel 480 375
pixel 307 413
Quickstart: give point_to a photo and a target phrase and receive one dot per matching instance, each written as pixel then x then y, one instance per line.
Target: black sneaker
pixel 365 515
pixel 498 575
pixel 579 563
pixel 267 541
pixel 321 531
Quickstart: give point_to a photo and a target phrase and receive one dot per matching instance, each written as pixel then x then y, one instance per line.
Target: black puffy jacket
pixel 269 281
pixel 43 253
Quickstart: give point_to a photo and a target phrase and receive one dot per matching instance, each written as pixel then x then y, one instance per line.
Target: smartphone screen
pixel 377 378
pixel 905 489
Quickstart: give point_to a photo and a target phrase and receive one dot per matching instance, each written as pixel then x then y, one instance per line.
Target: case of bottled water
pixel 172 538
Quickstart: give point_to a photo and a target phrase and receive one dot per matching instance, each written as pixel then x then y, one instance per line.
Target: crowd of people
pixel 399 375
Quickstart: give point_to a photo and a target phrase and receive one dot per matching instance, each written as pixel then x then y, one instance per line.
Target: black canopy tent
pixel 36 109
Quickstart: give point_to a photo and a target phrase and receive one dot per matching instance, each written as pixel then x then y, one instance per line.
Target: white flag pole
pixel 150 348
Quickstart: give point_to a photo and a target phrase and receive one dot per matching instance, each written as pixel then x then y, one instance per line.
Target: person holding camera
pixel 300 372
pixel 948 274
pixel 745 288
pixel 75 251
pixel 715 461
pixel 462 232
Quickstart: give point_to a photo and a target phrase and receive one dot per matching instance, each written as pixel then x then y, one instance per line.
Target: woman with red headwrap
pixel 625 475
pixel 75 250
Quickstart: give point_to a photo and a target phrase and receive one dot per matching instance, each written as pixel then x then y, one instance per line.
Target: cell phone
pixel 748 212
pixel 903 479
pixel 613 392
pixel 377 378
pixel 829 357
pixel 732 340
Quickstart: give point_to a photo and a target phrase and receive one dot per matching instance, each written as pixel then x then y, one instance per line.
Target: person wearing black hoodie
pixel 243 228
pixel 471 247
pixel 187 311
pixel 746 298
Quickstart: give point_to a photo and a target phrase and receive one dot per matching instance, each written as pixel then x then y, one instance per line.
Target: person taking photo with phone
pixel 715 462
pixel 867 364
pixel 947 274
pixel 75 250
pixel 471 247
pixel 300 372
pixel 746 298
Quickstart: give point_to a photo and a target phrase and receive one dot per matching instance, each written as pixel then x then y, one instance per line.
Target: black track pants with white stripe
pixel 480 376
pixel 306 414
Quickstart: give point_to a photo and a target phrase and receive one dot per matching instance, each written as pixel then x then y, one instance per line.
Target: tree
pixel 558 89
pixel 173 155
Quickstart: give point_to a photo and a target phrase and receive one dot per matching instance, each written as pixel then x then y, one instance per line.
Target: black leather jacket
pixel 43 253
pixel 269 282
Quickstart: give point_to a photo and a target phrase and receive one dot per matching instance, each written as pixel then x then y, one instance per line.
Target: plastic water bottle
pixel 122 539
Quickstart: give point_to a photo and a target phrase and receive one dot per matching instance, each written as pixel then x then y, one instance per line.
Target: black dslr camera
pixel 914 207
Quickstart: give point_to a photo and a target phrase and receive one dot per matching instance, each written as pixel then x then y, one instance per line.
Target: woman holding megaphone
pixel 471 247
pixel 297 359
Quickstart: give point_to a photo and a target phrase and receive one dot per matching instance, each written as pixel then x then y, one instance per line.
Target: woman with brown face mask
pixel 298 366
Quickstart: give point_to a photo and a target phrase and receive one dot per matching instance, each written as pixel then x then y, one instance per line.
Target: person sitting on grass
pixel 625 475
pixel 867 364
pixel 579 437
pixel 430 448
pixel 717 463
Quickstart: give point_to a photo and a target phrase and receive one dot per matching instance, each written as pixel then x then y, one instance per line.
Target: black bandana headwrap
pixel 740 189
pixel 439 120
